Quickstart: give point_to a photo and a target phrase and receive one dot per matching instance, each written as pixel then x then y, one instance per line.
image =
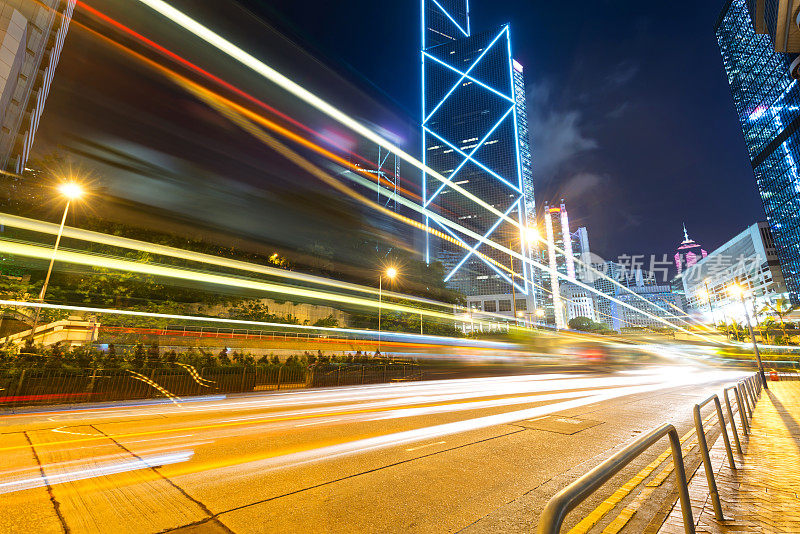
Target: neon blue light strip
pixel 424 148
pixel 470 158
pixel 482 240
pixel 469 32
pixel 464 75
pixel 522 222
pixel 443 10
pixel 476 162
pixel 474 64
pixel 495 269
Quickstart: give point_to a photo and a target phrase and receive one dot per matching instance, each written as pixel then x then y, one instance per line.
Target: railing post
pixel 280 369
pixel 743 394
pixel 712 483
pixel 733 422
pixel 725 438
pixel 680 479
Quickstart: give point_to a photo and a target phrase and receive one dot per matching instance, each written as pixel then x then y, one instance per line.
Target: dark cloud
pixel 557 136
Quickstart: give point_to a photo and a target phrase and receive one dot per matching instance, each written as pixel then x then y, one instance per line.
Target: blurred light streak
pixel 326 453
pixel 163 250
pixel 332 139
pixel 81 258
pixel 208 75
pixel 232 111
pixel 409 396
pixel 427 228
pixel 110 468
pixel 448 341
pixel 284 82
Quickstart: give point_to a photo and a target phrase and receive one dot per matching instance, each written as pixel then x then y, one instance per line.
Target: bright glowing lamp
pixel 531 234
pixel 71 190
pixel 540 313
pixel 736 290
pixel 391 272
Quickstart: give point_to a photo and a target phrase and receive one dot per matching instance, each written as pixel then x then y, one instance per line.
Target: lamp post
pixel 390 273
pixel 737 290
pixel 539 315
pixel 710 305
pixel 71 191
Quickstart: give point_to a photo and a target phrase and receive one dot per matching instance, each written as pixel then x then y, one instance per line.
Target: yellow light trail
pixel 307 96
pixel 206 95
pixel 82 258
pixel 258 66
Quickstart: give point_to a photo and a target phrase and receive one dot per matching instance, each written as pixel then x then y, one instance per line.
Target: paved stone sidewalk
pixel 763 494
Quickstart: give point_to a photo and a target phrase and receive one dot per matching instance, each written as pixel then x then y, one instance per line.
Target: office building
pixel 767 100
pixel 32 34
pixel 643 298
pixel 474 135
pixel 688 253
pixel 750 260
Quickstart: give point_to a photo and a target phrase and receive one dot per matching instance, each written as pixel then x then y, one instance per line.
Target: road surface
pixel 472 455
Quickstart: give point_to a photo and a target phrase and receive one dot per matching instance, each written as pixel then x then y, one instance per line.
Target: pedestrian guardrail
pixel 701 440
pixel 568 498
pixel 746 391
pixel 730 414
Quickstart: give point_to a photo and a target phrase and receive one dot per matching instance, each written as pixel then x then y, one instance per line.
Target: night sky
pixel 631 115
pixel 629 108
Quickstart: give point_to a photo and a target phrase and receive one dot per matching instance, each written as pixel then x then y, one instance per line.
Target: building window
pixel 504 305
pixel 490 306
pixel 522 304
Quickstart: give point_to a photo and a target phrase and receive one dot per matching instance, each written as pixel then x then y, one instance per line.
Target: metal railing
pixel 701 440
pixel 42 386
pixel 568 498
pixel 747 390
pixel 730 414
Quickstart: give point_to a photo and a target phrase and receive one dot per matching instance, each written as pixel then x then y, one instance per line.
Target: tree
pixel 585 324
pixel 153 356
pixel 329 322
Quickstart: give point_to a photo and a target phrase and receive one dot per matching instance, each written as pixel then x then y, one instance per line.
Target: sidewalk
pixel 763 494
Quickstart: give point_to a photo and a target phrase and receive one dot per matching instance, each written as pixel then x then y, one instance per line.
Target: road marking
pixel 319 422
pixel 426 445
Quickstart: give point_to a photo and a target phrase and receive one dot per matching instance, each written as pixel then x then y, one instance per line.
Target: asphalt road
pixel 473 455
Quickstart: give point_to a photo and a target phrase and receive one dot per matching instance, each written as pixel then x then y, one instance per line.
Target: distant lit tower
pixel 559 257
pixel 688 253
pixel 32 34
pixel 474 133
pixel 580 243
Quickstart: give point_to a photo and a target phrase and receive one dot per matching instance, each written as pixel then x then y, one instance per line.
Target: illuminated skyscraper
pixel 559 258
pixel 688 253
pixel 31 37
pixel 475 134
pixel 767 100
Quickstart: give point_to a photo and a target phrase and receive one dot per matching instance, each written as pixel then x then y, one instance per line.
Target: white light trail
pixel 307 96
pixel 410 337
pixel 110 468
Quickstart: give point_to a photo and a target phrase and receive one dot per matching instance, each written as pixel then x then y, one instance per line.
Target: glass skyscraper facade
pixel 767 100
pixel 475 136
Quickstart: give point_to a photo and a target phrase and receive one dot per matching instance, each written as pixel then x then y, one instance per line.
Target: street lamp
pixel 738 291
pixel 390 273
pixel 71 191
pixel 531 235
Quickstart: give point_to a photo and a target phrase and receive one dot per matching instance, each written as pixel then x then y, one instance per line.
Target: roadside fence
pixel 747 392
